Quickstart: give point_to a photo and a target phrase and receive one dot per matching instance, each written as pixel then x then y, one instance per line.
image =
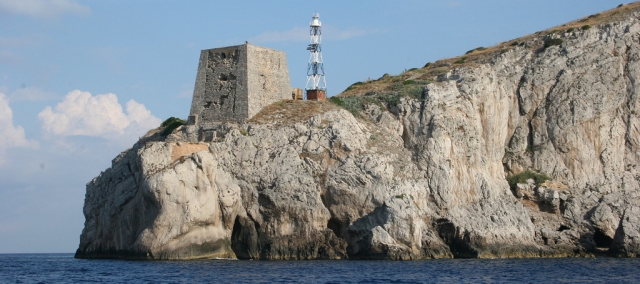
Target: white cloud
pixel 31 94
pixel 302 34
pixel 80 113
pixel 43 8
pixel 11 136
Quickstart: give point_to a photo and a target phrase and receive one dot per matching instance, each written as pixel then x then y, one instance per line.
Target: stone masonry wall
pixel 234 83
pixel 220 93
pixel 268 78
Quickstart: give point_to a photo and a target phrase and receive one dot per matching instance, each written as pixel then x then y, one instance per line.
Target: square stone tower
pixel 235 82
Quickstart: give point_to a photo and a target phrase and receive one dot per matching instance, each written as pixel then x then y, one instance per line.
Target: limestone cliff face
pixel 420 178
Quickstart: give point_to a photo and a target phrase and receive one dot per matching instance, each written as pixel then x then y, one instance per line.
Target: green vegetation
pixel 570 30
pixel 585 27
pixel 385 76
pixel 356 104
pixel 522 177
pixel 427 65
pixel 171 124
pixel 353 85
pixel 476 49
pixel 460 61
pixel 552 41
pixel 352 104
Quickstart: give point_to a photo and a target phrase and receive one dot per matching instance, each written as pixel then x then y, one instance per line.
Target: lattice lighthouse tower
pixel 316 85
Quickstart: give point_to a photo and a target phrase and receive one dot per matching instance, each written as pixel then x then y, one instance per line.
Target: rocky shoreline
pixel 409 178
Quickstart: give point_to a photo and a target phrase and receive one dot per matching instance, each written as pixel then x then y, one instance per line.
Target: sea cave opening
pixel 238 241
pixel 601 239
pixel 335 226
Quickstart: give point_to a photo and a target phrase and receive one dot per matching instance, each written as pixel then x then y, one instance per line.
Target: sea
pixel 63 268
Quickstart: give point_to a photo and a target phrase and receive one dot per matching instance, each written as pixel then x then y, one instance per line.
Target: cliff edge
pixel 437 172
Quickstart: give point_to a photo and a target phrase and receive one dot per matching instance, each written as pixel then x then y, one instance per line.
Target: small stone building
pixel 235 82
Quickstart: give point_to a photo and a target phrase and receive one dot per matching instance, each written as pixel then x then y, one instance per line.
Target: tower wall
pixel 268 77
pixel 234 83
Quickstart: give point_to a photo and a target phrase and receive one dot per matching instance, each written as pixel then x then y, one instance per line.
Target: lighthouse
pixel 316 87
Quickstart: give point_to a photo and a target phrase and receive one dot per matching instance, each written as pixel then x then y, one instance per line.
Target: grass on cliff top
pixel 288 112
pixel 479 55
pixel 522 177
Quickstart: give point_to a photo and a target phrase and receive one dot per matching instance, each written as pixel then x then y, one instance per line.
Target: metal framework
pixel 315 69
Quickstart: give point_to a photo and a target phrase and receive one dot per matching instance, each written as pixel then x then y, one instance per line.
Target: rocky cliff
pixel 406 177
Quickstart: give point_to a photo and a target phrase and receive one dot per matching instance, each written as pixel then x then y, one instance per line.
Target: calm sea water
pixel 63 268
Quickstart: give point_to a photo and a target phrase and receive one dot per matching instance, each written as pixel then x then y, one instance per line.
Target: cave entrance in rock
pixel 601 239
pixel 238 241
pixel 335 226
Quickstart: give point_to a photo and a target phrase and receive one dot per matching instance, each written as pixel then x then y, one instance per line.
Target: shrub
pixel 353 104
pixel 515 43
pixel 415 92
pixel 460 61
pixel 427 65
pixel 570 30
pixel 397 86
pixel 353 85
pixel 171 124
pixel 412 69
pixel 171 120
pixel 476 49
pixel 390 100
pixel 585 27
pixel 408 82
pixel 522 177
pixel 385 76
pixel 552 41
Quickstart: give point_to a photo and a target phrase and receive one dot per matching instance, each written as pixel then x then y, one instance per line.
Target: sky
pixel 81 81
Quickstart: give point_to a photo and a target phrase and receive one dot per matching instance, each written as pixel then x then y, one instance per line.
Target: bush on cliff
pixel 171 124
pixel 522 177
pixel 552 41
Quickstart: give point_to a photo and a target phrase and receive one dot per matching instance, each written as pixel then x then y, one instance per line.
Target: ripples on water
pixel 63 268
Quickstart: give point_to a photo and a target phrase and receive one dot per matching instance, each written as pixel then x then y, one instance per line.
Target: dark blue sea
pixel 63 268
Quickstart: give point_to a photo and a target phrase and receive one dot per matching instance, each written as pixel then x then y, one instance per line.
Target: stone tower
pixel 235 82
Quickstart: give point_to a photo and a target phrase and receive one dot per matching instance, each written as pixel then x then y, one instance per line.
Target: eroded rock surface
pixel 423 178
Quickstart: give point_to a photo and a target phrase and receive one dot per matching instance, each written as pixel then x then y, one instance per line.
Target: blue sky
pixel 80 81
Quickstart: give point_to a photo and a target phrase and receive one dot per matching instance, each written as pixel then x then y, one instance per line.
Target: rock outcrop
pixel 408 179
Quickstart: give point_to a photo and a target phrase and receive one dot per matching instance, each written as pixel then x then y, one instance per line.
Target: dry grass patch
pixel 290 112
pixel 179 150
